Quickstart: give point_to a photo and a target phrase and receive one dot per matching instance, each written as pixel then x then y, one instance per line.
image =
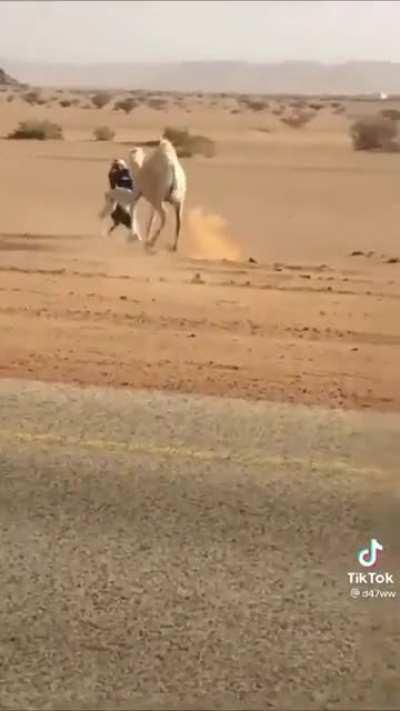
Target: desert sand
pixel 305 320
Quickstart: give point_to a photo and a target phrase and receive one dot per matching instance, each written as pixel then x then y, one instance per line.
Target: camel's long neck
pixel 134 167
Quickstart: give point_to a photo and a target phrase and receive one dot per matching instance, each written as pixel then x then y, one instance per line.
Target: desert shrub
pixel 254 104
pixel 298 104
pixel 374 133
pixel 392 114
pixel 100 99
pixel 177 136
pixel 335 104
pixel 156 104
pixel 126 105
pixel 298 119
pixel 10 98
pixel 188 145
pixel 278 112
pixel 235 111
pixel 37 130
pixel 103 133
pixel 31 97
pixel 65 103
pixel 339 110
pixel 316 107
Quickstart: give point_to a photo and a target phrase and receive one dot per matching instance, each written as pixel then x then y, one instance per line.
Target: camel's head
pixel 165 143
pixel 137 155
pixel 167 147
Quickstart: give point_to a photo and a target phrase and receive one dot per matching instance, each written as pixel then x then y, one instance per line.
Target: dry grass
pixel 38 130
pixel 188 145
pixel 103 133
pixel 392 114
pixel 32 97
pixel 374 133
pixel 254 104
pixel 66 103
pixel 297 119
pixel 102 98
pixel 298 104
pixel 126 105
pixel 157 104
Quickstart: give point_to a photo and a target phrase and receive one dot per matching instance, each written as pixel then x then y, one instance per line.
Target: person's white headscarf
pixel 122 164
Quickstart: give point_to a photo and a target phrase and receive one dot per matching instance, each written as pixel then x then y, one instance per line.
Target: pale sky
pixel 250 30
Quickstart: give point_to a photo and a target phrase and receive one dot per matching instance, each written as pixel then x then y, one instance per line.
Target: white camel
pixel 160 179
pixel 136 159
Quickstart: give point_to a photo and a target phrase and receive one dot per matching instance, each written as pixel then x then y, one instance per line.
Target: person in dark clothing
pixel 120 177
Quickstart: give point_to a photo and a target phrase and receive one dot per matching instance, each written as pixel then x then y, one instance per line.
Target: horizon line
pixel 198 61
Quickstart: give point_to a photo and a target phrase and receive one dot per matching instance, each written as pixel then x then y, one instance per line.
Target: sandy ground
pixel 307 322
pixel 182 552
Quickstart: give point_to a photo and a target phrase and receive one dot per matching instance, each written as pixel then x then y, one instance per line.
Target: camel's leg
pixel 135 232
pixel 149 223
pixel 178 207
pixel 106 231
pixel 160 209
pixel 107 208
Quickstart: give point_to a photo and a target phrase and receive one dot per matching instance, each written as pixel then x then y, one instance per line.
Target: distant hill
pixel 7 80
pixel 285 77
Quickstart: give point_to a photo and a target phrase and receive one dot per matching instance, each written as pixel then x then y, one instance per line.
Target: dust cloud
pixel 209 237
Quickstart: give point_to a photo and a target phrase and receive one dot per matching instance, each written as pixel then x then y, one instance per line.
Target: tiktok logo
pixel 367 557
